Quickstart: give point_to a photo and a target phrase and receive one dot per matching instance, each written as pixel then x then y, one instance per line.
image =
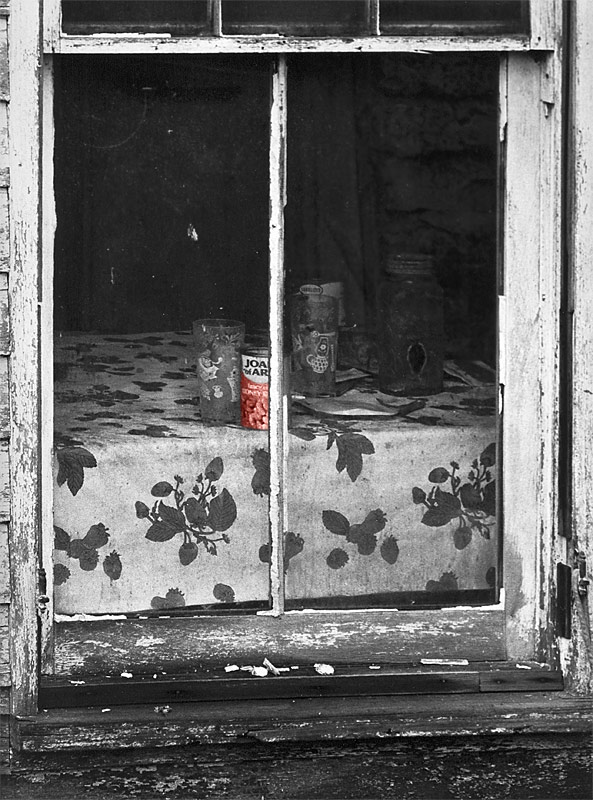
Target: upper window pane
pixel 294 17
pixel 177 17
pixel 455 16
pixel 297 17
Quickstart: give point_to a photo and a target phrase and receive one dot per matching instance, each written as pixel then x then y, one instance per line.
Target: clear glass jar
pixel 411 334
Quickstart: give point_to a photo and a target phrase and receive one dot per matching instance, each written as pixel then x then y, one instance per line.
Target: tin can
pixel 255 366
pixel 329 288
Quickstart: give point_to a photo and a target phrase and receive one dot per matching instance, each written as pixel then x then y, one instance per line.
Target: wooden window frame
pixel 530 134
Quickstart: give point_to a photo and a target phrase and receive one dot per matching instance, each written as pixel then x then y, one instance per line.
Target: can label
pixel 255 365
pixel 317 286
pixel 311 288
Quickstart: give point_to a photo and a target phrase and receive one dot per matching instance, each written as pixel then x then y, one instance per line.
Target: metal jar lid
pixel 419 264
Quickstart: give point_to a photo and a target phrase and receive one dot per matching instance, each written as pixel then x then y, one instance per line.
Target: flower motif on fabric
pixel 351 444
pixel 199 517
pixel 472 505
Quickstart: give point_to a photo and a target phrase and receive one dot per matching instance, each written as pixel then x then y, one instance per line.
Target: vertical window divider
pixel 52 23
pixel 278 428
pixel 48 213
pixel 25 39
pixel 374 19
pixel 543 17
pixel 216 17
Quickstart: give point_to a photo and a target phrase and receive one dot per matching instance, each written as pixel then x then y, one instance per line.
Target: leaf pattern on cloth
pixel 72 462
pixel 350 443
pixel 471 504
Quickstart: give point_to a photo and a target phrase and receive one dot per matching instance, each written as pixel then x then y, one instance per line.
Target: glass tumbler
pixel 314 333
pixel 218 343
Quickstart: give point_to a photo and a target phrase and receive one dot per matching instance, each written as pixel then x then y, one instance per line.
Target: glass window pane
pixel 391 262
pixel 135 16
pixel 508 16
pixel 161 178
pixel 296 17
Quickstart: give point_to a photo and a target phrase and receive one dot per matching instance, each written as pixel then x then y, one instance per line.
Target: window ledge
pixel 305 719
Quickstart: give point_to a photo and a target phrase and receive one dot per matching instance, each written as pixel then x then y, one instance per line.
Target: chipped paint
pixel 87 617
pixel 149 641
pixel 277 401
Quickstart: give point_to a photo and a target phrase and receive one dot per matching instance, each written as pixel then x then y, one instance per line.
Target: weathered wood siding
pixel 529 765
pixel 577 655
pixel 4 406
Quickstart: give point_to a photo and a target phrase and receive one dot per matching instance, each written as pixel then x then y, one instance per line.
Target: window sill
pixel 306 719
pixel 159 689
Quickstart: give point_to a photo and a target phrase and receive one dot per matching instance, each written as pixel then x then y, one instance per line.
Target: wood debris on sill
pixel 324 669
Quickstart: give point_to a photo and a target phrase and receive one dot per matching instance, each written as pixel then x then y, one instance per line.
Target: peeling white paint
pixel 96 643
pixel 87 617
pixel 149 641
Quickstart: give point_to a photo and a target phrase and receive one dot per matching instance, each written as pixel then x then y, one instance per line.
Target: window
pixel 294 17
pixel 184 143
pixel 162 195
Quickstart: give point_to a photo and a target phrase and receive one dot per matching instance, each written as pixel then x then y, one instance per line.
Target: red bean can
pixel 255 366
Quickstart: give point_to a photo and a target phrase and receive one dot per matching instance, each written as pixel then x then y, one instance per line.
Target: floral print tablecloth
pixel 154 510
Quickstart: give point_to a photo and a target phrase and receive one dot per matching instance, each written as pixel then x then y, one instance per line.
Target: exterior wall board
pixel 577 654
pixel 4 565
pixel 4 666
pixel 4 80
pixel 4 409
pixel 4 483
pixel 4 227
pixel 4 338
pixel 4 403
